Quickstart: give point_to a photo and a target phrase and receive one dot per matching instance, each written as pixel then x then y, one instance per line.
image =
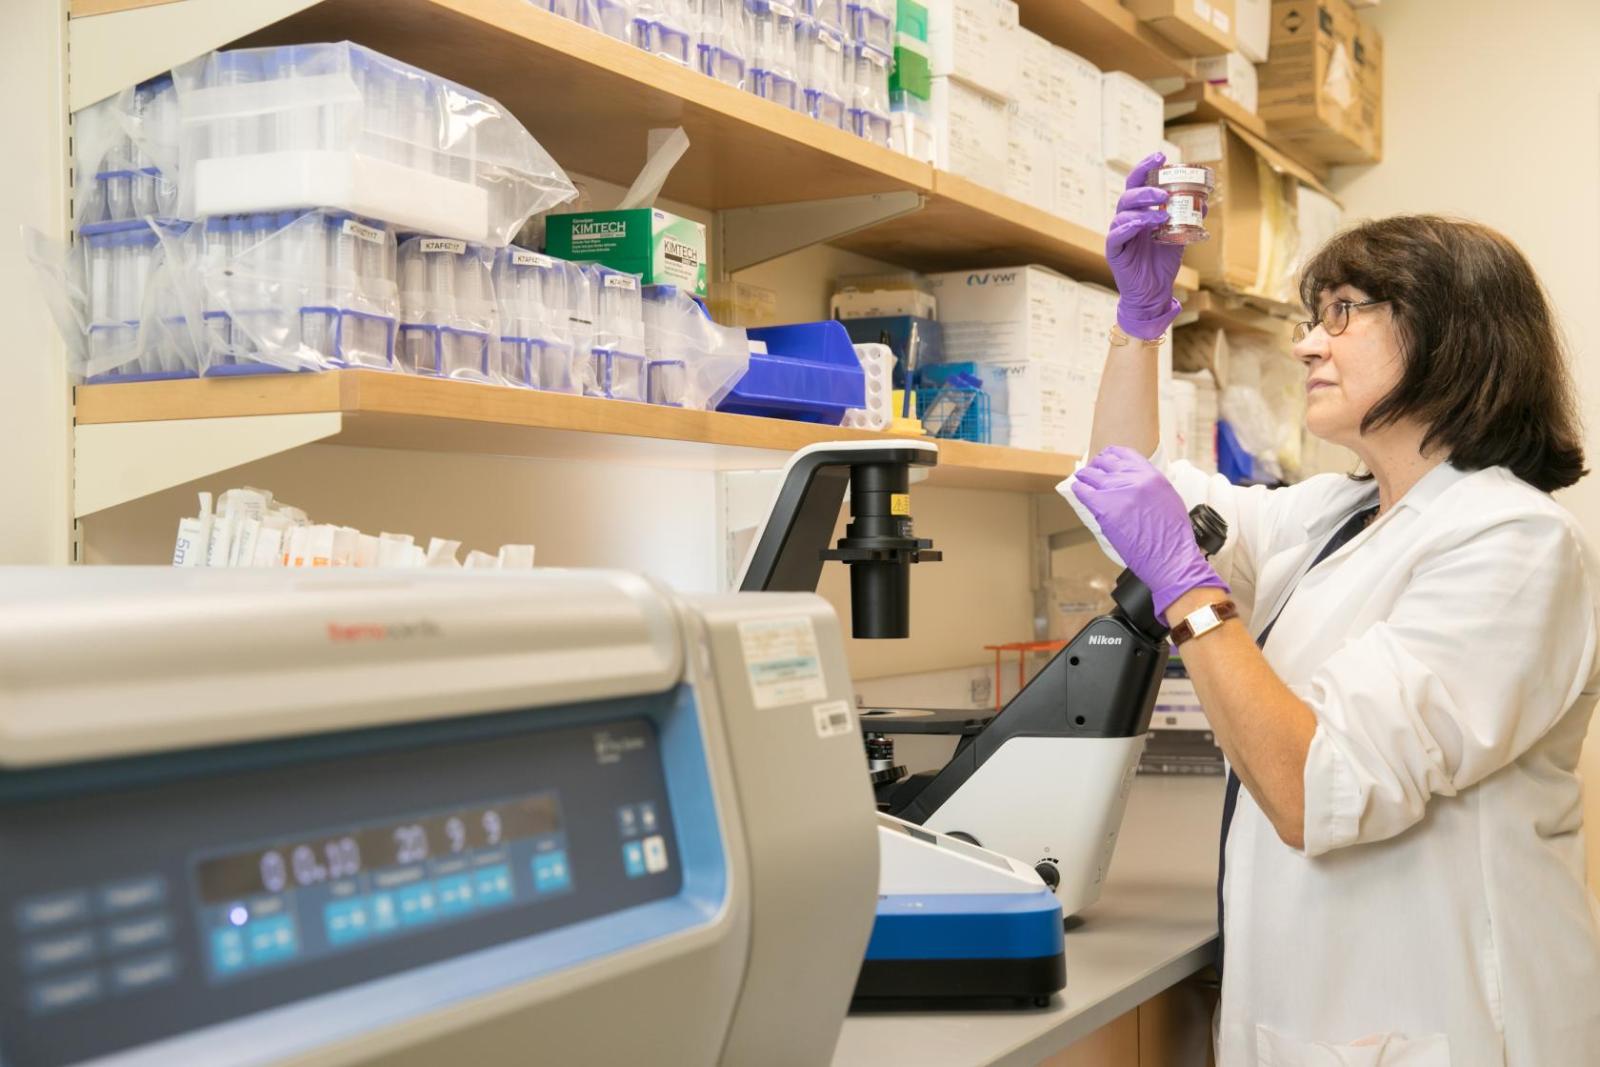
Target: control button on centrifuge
pixel 133 894
pixel 58 951
pixel 627 820
pixel 70 991
pixel 142 972
pixel 54 909
pixel 655 854
pixel 633 859
pixel 138 933
pixel 647 818
pixel 550 872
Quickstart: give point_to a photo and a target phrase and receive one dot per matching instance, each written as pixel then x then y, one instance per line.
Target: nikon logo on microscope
pixel 1102 639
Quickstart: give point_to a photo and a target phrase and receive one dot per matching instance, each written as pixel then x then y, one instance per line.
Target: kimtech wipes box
pixel 657 245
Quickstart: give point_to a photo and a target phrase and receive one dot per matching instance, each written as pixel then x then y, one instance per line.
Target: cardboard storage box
pixel 1312 88
pixel 1010 314
pixel 1199 27
pixel 1253 241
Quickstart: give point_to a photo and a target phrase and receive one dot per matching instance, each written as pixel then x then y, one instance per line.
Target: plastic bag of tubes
pixel 248 528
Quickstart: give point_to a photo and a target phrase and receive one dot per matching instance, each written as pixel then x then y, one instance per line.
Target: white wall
pixel 35 523
pixel 1492 111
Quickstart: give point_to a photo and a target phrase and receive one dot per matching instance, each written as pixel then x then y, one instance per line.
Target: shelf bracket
pixel 118 462
pixel 748 236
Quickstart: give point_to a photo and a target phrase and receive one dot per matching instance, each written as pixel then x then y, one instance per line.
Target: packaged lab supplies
pixel 692 361
pixel 827 72
pixel 1030 161
pixel 1030 404
pixel 971 127
pixel 724 41
pixel 1081 116
pixel 1234 75
pixel 775 66
pixel 976 41
pixel 617 367
pixel 1312 90
pixel 1132 115
pixel 871 296
pixel 1199 27
pixel 118 143
pixel 656 245
pixel 869 98
pixel 295 292
pixel 448 319
pixel 343 127
pixel 1252 27
pixel 667 28
pixel 531 297
pixel 136 325
pixel 1008 315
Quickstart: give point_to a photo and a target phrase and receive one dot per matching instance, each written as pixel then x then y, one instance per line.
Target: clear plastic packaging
pixel 872 23
pixel 343 127
pixel 775 74
pixel 824 58
pixel 869 102
pixel 911 127
pixel 829 14
pixel 137 327
pixel 118 142
pixel 1190 187
pixel 288 291
pixel 535 344
pixel 617 365
pixel 723 51
pixel 693 361
pixel 448 321
pixel 667 28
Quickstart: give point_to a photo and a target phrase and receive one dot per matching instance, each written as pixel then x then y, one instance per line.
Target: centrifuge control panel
pixel 210 886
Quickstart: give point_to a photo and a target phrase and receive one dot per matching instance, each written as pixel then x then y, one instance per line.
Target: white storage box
pixel 1132 116
pixel 1012 314
pixel 341 126
pixel 1030 404
pixel 1082 93
pixel 1234 75
pixel 1039 83
pixel 1114 184
pixel 1252 20
pixel 1030 161
pixel 976 40
pixel 1080 186
pixel 972 126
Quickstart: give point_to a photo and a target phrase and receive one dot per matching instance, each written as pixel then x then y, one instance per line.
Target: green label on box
pixel 912 74
pixel 657 245
pixel 911 18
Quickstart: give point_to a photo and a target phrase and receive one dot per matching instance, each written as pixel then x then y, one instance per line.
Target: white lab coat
pixel 1437 916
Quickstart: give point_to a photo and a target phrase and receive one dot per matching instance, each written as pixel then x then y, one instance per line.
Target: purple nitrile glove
pixel 1144 269
pixel 1144 519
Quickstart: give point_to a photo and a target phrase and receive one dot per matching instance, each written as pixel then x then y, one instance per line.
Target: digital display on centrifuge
pixel 186 891
pixel 349 852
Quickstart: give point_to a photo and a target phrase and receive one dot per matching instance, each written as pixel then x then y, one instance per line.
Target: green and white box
pixel 657 245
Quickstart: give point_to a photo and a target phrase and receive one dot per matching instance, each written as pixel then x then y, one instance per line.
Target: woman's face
pixel 1346 375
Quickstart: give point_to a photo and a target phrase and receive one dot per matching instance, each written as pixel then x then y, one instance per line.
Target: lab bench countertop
pixel 1154 925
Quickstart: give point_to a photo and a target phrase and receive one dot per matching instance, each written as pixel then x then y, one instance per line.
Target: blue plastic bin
pixel 809 374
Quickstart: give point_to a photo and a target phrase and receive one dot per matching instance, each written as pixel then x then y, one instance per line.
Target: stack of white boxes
pixel 974 46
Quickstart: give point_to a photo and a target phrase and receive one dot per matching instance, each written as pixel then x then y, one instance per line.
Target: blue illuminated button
pixel 492 885
pixel 58 951
pixel 227 950
pixel 138 933
pixel 143 972
pixel 627 820
pixel 633 859
pixel 271 940
pixel 133 894
pixel 346 920
pixel 54 909
pixel 455 894
pixel 418 904
pixel 385 913
pixel 69 991
pixel 550 873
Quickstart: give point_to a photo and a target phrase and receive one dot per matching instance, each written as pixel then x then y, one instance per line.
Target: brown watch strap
pixel 1224 609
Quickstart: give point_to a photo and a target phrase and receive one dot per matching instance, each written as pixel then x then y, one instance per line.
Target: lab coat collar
pixel 1361 495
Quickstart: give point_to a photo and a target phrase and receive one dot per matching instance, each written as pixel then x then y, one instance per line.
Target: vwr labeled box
pixel 657 245
pixel 1013 314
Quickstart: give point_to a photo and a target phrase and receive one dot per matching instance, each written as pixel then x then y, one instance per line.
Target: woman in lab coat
pixel 1404 865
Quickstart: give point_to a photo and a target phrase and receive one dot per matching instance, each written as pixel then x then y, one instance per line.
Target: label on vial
pixel 783 661
pixel 621 281
pixel 1181 176
pixel 829 41
pixel 782 9
pixel 444 244
pixel 370 234
pixel 1182 212
pixel 521 257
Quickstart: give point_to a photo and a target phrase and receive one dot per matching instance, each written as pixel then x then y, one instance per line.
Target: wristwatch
pixel 1121 338
pixel 1204 620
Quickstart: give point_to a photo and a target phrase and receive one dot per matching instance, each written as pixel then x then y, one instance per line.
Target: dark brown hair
pixel 1485 370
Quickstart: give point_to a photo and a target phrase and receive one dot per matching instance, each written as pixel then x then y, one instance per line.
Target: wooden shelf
pixel 1107 35
pixel 968 225
pixel 1224 312
pixel 1203 102
pixel 396 411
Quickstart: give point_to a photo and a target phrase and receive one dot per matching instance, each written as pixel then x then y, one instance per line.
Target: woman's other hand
pixel 1144 269
pixel 1144 519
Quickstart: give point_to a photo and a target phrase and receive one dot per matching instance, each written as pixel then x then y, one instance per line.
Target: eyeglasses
pixel 1334 318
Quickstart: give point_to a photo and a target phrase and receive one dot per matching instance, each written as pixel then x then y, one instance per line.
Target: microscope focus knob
pixel 1049 875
